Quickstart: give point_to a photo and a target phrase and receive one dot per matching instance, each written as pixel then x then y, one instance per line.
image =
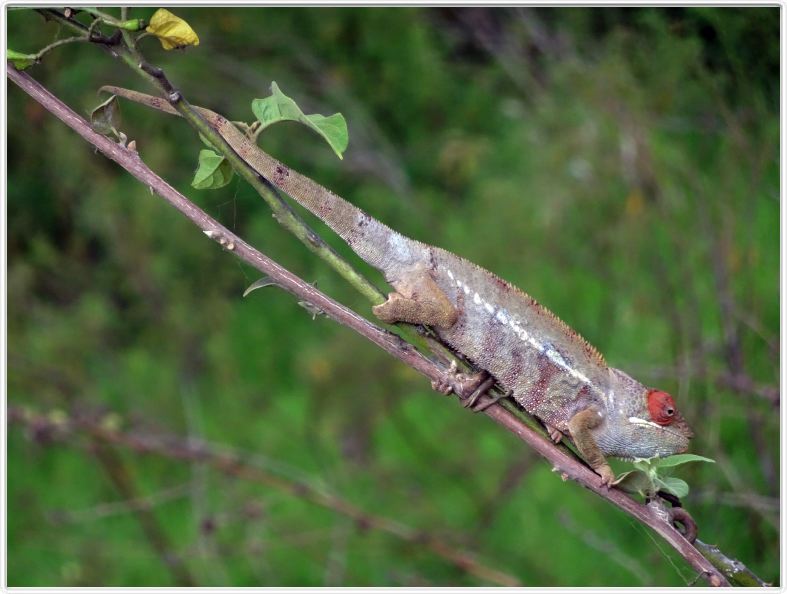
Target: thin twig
pixel 117 508
pixel 72 23
pixel 566 465
pixel 41 53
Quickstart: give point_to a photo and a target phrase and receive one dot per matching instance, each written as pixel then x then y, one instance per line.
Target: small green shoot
pixel 21 61
pixel 213 171
pixel 647 479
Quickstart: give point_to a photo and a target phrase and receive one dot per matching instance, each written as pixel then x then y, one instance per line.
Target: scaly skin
pixel 550 370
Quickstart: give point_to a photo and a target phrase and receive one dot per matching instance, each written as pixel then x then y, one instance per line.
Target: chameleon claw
pixel 554 433
pixel 477 384
pixel 444 385
pixel 493 399
pixel 607 475
pixel 481 389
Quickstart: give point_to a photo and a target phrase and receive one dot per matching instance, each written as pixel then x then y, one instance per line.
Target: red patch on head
pixel 661 407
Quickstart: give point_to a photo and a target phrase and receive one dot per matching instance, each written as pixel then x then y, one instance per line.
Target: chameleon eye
pixel 661 407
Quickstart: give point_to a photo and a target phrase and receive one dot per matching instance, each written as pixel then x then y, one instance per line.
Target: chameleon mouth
pixel 680 429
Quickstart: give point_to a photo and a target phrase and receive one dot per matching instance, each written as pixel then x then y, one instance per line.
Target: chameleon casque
pixel 546 366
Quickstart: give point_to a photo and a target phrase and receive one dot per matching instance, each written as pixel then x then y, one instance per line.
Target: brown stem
pixel 566 465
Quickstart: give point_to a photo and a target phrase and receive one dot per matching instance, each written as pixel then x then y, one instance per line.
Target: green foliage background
pixel 620 165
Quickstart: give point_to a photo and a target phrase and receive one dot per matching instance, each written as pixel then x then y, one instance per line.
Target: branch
pixel 736 572
pixel 56 428
pixel 77 38
pixel 119 474
pixel 651 515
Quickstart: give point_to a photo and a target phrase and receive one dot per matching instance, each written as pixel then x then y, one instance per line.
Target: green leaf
pixel 21 61
pixel 278 108
pixel 676 486
pixel 679 459
pixel 105 119
pixel 213 171
pixel 644 464
pixel 635 481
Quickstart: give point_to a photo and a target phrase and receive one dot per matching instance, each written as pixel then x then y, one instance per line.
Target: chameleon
pixel 547 367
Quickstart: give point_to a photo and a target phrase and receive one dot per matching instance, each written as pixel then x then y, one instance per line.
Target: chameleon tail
pixel 374 242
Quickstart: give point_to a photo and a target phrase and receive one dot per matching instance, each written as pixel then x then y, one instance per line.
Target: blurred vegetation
pixel 621 165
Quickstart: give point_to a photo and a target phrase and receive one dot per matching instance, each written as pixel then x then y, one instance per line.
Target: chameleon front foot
pixel 607 475
pixel 580 427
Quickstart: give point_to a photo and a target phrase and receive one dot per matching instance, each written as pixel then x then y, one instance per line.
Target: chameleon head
pixel 663 412
pixel 641 422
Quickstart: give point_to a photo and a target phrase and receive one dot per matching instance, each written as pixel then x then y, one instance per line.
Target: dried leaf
pixel 265 281
pixel 105 118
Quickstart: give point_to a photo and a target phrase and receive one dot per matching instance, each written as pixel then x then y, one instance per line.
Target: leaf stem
pixel 122 23
pixel 60 42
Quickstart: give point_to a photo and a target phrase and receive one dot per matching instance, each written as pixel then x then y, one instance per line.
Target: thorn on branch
pixel 220 238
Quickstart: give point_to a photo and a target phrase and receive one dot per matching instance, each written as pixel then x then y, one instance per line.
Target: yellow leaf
pixel 173 32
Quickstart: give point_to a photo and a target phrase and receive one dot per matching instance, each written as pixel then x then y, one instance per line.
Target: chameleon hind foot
pixel 493 399
pixel 417 300
pixel 444 385
pixel 476 384
pixel 480 383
